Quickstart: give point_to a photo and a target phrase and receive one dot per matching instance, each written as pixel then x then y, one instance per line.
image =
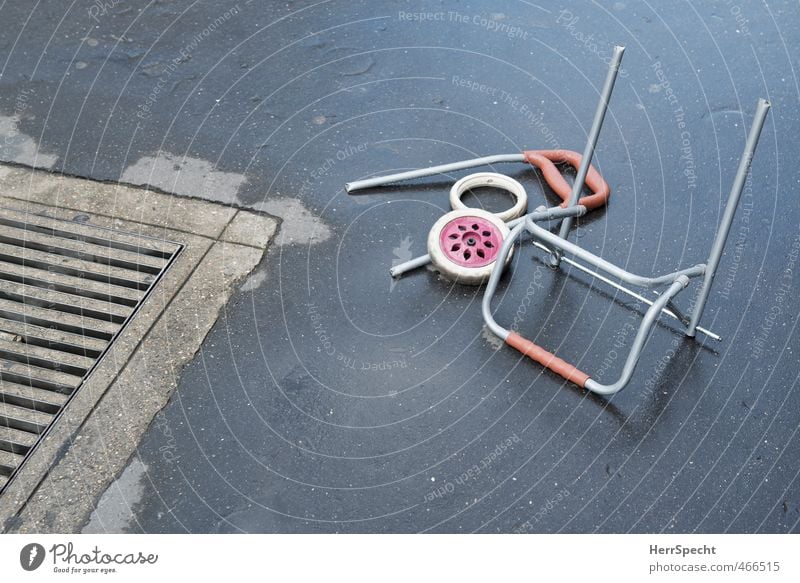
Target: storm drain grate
pixel 66 290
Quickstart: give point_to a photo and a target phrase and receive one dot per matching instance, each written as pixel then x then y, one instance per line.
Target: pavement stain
pixel 115 510
pixel 299 226
pixel 185 176
pixel 491 338
pixel 254 281
pixel 194 177
pixel 359 66
pixel 21 148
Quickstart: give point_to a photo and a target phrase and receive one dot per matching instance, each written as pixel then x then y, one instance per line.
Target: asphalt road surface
pixel 329 397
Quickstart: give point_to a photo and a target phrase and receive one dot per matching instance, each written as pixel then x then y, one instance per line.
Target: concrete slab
pixel 118 202
pixel 100 428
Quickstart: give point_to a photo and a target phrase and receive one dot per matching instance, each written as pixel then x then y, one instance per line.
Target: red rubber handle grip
pixel 546 160
pixel 547 359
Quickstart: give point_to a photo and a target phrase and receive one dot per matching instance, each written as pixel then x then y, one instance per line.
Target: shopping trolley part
pixel 497 181
pixel 546 160
pixel 591 143
pixel 464 244
pixel 557 244
pixel 540 214
pixel 669 310
pixel 583 164
pixel 675 281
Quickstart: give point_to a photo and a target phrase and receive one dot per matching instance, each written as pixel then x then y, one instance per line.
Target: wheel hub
pixel 471 241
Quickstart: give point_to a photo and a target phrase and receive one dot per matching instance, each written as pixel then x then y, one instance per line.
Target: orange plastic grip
pixel 547 359
pixel 546 160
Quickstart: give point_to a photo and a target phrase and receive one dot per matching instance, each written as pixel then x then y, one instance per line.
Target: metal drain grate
pixel 66 291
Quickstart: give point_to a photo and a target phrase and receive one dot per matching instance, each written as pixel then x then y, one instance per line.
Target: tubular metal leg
pixel 494 279
pixel 432 171
pixel 551 361
pixel 591 143
pixel 730 209
pixel 638 343
pixel 401 268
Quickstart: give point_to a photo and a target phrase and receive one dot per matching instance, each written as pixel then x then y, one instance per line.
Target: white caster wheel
pixel 464 245
pixel 496 180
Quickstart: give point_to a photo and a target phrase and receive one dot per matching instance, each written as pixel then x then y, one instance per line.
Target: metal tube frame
pixel 557 245
pixel 677 280
pixel 591 143
pixel 762 108
pixel 432 171
pixel 670 310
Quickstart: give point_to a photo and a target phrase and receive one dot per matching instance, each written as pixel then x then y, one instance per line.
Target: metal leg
pixel 494 279
pixel 550 360
pixel 638 343
pixel 588 152
pixel 668 310
pixel 432 171
pixel 556 242
pixel 678 313
pixel 730 209
pixel 414 263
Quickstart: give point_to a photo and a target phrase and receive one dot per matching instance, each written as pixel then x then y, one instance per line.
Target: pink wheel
pixel 464 245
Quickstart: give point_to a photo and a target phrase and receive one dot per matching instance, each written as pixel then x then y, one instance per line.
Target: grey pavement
pixel 328 398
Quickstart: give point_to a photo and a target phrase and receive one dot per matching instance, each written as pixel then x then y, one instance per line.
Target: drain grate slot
pixel 31 397
pixel 34 376
pixel 76 267
pixel 80 250
pixel 69 284
pixel 16 441
pixel 69 303
pixel 24 419
pixel 66 291
pixel 53 338
pixel 90 234
pixel 59 320
pixel 8 462
pixel 45 358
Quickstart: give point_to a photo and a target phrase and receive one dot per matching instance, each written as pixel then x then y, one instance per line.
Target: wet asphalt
pixel 330 398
